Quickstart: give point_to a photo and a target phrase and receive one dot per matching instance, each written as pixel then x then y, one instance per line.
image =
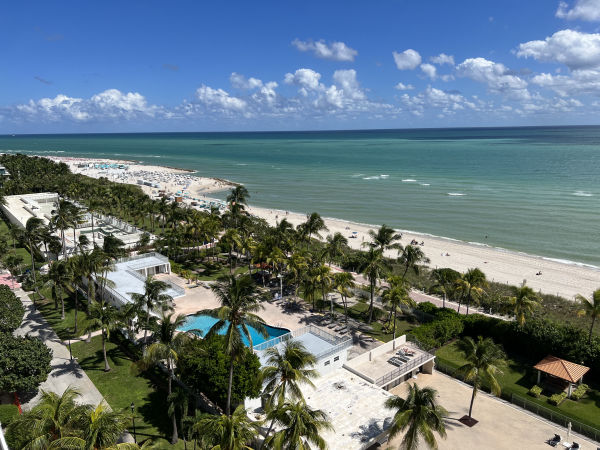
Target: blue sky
pixel 271 65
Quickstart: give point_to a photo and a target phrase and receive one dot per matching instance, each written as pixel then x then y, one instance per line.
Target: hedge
pixel 535 391
pixel 11 310
pixel 580 391
pixel 557 399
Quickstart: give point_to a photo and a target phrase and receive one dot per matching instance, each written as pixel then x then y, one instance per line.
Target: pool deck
pixel 200 297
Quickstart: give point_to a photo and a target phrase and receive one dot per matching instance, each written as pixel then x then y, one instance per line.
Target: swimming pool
pixel 204 323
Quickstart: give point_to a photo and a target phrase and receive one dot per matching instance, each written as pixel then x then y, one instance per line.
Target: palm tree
pixel 34 229
pixel 59 277
pixel 301 427
pixel 54 417
pixel 419 414
pixel 228 432
pixel 396 295
pixel 344 283
pixel 237 312
pixel 483 359
pixel 105 317
pixel 470 286
pixel 283 373
pixel 153 298
pixel 313 225
pixel 374 269
pixel 385 239
pixel 324 279
pixel 237 198
pixel 179 400
pixel 444 280
pixel 61 220
pixel 410 258
pixel 590 308
pixel 167 349
pixel 308 286
pixel 100 427
pixel 525 301
pixel 336 246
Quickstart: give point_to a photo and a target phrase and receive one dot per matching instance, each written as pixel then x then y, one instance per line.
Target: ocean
pixel 534 190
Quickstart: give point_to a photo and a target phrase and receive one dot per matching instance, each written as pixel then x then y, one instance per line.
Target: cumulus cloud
pixel 219 100
pixel 239 81
pixel 585 81
pixel 407 60
pixel 404 87
pixel 429 70
pixel 443 102
pixel 495 75
pixel 442 59
pixel 109 104
pixel 575 49
pixel 335 51
pixel 588 10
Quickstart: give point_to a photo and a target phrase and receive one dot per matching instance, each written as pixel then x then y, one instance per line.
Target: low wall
pixel 370 355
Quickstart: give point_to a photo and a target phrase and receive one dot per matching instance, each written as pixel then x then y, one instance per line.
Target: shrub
pixel 204 367
pixel 24 363
pixel 11 310
pixel 557 399
pixel 535 391
pixel 437 333
pixel 427 307
pixel 7 413
pixel 580 391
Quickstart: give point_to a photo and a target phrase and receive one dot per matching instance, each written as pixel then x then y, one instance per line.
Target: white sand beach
pixel 548 276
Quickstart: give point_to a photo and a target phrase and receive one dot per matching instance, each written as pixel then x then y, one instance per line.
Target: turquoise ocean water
pixel 535 190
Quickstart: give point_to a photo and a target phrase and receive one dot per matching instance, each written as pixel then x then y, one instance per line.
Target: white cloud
pixel 335 51
pixel 239 81
pixel 442 59
pixel 346 80
pixel 588 10
pixel 495 75
pixel 429 70
pixel 220 100
pixel 106 105
pixel 404 87
pixel 574 49
pixel 444 103
pixel 578 82
pixel 407 60
pixel 306 79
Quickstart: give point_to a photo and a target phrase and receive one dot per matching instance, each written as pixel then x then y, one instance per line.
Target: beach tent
pixel 562 369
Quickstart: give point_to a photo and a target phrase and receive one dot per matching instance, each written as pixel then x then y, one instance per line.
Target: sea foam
pixel 456 194
pixel 583 194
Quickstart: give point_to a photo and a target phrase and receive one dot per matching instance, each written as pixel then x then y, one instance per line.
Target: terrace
pixel 391 363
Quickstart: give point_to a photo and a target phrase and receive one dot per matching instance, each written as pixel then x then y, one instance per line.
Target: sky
pixel 141 66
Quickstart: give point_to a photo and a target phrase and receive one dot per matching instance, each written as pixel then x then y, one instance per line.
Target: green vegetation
pixel 24 363
pixel 517 377
pixel 535 391
pixel 580 391
pixel 64 328
pixel 122 386
pixel 11 310
pixel 8 413
pixel 557 399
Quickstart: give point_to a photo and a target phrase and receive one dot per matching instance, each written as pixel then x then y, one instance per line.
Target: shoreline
pixel 542 273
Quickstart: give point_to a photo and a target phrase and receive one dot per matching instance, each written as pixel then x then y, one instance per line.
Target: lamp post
pixel 133 421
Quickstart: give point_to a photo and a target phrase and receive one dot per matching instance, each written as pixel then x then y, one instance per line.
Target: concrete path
pixel 65 372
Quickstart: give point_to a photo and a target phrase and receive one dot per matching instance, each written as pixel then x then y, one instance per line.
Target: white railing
pixel 403 369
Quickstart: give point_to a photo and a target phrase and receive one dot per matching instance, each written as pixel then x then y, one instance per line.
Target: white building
pixel 130 275
pixel 20 208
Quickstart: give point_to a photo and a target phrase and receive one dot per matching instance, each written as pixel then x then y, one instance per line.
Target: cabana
pixel 561 369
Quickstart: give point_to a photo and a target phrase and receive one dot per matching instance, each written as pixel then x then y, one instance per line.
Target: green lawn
pixel 518 377
pixel 20 251
pixel 63 328
pixel 121 386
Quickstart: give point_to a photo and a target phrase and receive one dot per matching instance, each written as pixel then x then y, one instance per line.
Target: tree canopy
pixel 11 310
pixel 24 363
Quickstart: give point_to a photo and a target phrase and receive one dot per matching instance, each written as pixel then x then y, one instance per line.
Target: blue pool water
pixel 204 323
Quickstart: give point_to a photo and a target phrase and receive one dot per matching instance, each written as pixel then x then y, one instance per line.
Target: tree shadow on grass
pixel 154 410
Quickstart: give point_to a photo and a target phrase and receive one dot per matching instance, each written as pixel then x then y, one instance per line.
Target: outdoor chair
pixel 394 361
pixel 575 445
pixel 554 441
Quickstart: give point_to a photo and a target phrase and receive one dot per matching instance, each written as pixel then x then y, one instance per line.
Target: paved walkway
pixel 501 424
pixel 65 372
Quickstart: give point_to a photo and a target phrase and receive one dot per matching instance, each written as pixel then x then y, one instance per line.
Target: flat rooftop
pixel 388 362
pixel 354 406
pixel 25 206
pixel 127 280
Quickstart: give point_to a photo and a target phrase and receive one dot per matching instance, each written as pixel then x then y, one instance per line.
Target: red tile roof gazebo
pixel 561 368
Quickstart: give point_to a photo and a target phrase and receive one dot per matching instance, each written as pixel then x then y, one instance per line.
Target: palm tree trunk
pixel 344 302
pixel 592 328
pixel 62 305
pixel 472 400
pixel 372 299
pixel 174 437
pixel 146 329
pixel 395 312
pixel 93 236
pixel 267 435
pixel 106 366
pixel 228 406
pixel 74 241
pixel 76 299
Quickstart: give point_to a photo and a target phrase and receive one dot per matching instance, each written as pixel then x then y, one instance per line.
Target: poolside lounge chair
pixel 395 361
pixel 575 445
pixel 554 441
